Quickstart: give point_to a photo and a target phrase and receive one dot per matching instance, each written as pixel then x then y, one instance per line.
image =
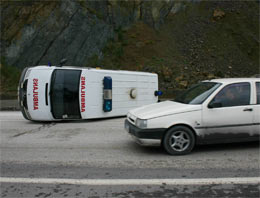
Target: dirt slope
pixel 205 40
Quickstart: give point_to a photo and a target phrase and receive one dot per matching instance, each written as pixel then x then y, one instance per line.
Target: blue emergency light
pixel 107 94
pixel 158 93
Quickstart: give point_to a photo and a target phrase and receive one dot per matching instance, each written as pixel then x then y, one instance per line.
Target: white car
pixel 213 111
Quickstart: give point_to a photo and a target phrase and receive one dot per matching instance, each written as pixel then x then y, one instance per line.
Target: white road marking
pixel 12 120
pixel 133 182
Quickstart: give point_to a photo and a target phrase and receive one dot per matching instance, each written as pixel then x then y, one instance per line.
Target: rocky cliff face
pixel 39 32
pixel 182 41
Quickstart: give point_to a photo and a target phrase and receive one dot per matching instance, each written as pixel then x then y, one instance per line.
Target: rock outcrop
pixel 39 32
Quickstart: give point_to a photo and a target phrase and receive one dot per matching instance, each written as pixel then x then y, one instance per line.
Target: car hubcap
pixel 179 141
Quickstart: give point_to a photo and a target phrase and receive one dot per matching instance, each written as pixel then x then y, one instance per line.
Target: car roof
pixel 233 80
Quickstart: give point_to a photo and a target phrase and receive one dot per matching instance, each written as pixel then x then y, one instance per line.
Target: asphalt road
pixel 99 159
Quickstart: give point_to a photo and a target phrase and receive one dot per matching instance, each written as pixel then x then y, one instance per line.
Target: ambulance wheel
pixel 179 140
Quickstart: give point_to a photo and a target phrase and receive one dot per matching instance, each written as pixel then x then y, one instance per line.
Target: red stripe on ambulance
pixel 83 93
pixel 35 94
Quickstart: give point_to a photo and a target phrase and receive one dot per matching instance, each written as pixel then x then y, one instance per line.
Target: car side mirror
pixel 214 105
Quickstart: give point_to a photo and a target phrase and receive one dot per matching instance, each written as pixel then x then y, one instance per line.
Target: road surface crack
pixel 44 126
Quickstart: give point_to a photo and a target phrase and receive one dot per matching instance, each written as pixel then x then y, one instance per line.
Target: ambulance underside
pixel 129 90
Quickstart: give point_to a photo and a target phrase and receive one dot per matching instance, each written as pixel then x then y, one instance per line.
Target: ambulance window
pixel 65 94
pixel 24 97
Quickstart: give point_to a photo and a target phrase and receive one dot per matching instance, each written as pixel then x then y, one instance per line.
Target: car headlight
pixel 140 123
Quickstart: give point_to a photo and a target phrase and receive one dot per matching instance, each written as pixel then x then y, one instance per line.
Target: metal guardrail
pixel 9 105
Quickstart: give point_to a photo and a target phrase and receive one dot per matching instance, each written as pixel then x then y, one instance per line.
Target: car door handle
pixel 248 109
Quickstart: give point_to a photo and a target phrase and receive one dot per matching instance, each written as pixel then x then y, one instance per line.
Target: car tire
pixel 179 140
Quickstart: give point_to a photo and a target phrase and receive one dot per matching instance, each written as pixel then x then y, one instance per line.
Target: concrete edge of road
pixel 133 182
pixel 9 105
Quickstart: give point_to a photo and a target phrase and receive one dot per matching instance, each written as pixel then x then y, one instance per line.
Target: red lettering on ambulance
pixel 35 94
pixel 83 93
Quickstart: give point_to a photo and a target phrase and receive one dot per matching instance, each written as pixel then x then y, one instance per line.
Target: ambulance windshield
pixel 64 94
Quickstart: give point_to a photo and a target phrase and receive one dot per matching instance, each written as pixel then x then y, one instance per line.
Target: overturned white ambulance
pixel 57 93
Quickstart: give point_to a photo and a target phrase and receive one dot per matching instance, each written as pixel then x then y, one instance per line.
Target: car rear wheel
pixel 179 140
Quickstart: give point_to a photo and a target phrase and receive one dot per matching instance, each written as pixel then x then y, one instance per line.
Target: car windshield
pixel 198 93
pixel 64 94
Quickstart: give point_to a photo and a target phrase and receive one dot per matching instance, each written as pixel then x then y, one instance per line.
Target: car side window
pixel 257 92
pixel 237 94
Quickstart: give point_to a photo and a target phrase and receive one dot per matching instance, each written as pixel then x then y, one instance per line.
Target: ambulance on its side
pixel 58 93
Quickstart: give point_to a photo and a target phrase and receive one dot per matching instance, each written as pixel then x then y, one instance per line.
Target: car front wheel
pixel 179 140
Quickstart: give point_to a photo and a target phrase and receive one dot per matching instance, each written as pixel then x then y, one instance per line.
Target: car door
pixel 229 114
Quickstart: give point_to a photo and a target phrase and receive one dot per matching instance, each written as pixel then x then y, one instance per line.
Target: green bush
pixel 9 78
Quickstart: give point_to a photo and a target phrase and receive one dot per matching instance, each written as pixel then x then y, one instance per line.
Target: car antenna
pixel 64 60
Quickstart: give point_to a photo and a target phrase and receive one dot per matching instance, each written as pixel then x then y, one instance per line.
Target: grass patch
pixel 9 81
